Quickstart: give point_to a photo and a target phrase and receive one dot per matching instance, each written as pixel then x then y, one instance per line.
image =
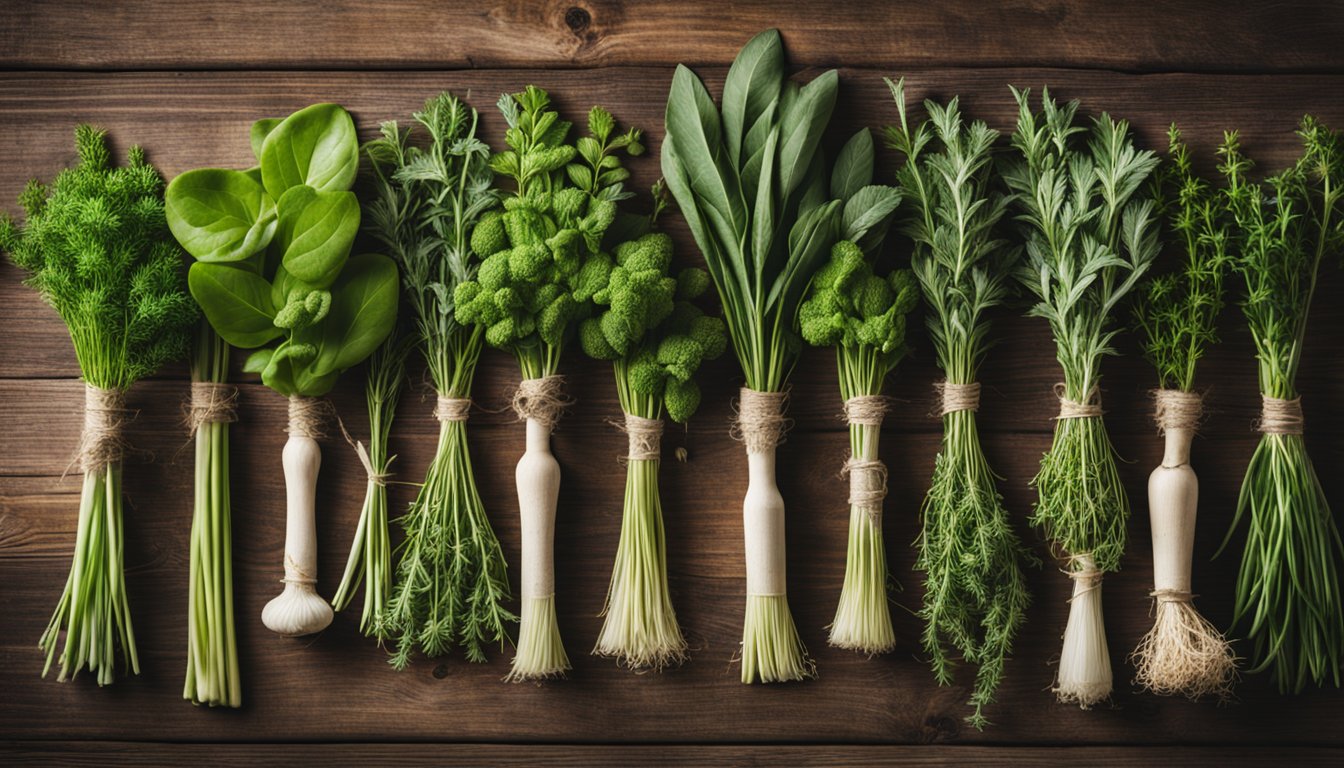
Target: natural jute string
pixel 306 415
pixel 1280 417
pixel 1088 575
pixel 957 397
pixel 452 408
pixel 302 577
pixel 1171 595
pixel 866 410
pixel 542 400
pixel 645 437
pixel 212 402
pixel 760 419
pixel 1174 409
pixel 101 443
pixel 867 485
pixel 1072 409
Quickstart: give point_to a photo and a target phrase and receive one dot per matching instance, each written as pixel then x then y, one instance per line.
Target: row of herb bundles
pixel 273 272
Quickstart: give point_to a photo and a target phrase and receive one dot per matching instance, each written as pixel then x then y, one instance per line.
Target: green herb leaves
pixel 273 256
pixel 753 188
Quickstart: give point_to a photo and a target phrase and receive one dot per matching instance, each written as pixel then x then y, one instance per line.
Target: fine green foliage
pixel 1178 311
pixel 272 244
pixel 975 593
pixel 451 582
pixel 1091 235
pixel 97 249
pixel 1288 590
pixel 543 255
pixel 646 322
pixel 752 183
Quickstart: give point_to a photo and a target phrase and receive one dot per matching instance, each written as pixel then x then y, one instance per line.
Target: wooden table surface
pixel 187 79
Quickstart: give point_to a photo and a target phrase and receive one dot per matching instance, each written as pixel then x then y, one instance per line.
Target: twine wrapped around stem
pixel 212 402
pixel 542 400
pixel 645 436
pixel 306 416
pixel 957 397
pixel 761 423
pixel 1089 408
pixel 1280 417
pixel 1174 409
pixel 452 408
pixel 1087 575
pixel 101 442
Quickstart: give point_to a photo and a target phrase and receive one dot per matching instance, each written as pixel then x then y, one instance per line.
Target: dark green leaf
pixel 363 311
pixel 853 166
pixel 752 84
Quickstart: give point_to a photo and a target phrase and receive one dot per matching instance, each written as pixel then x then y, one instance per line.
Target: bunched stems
pixel 213 675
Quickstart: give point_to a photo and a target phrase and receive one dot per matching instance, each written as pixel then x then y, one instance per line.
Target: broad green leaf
pixel 811 236
pixel 219 215
pixel 316 232
pixel 363 311
pixel 260 130
pixel 868 209
pixel 694 122
pixel 316 146
pixel 754 150
pixel 763 220
pixel 257 361
pixel 752 84
pixel 853 166
pixel 237 303
pixel 804 120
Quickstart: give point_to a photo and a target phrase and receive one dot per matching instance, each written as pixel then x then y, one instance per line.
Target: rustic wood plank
pixel 374 755
pixel 413 34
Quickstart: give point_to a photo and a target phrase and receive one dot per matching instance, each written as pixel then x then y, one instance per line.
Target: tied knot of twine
pixel 957 397
pixel 866 410
pixel 1171 595
pixel 452 408
pixel 761 423
pixel 1089 407
pixel 867 485
pixel 1280 417
pixel 1085 574
pixel 645 437
pixel 101 442
pixel 1174 409
pixel 295 574
pixel 306 415
pixel 212 402
pixel 542 400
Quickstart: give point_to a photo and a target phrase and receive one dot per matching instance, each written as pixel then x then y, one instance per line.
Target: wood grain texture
pixel 78 755
pixel 1205 35
pixel 335 687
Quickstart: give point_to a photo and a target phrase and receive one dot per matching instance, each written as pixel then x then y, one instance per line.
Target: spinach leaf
pixel 316 146
pixel 316 232
pixel 237 303
pixel 219 215
pixel 363 311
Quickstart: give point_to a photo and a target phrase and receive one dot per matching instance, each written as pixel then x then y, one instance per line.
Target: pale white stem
pixel 1173 501
pixel 541 653
pixel 299 610
pixel 763 527
pixel 1085 661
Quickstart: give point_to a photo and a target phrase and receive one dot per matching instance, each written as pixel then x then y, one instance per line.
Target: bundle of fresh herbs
pixel 274 273
pixel 1178 312
pixel 97 249
pixel 975 593
pixel 1288 590
pixel 1091 234
pixel 450 583
pixel 646 324
pixel 752 184
pixel 544 258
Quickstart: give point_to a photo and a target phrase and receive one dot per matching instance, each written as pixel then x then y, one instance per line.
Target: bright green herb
pixel 1288 589
pixel 543 260
pixel 656 338
pixel 975 593
pixel 1090 235
pixel 862 316
pixel 752 185
pixel 370 559
pixel 274 273
pixel 451 581
pixel 97 249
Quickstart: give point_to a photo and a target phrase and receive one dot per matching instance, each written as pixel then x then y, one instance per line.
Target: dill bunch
pixel 975 592
pixel 1288 592
pixel 97 248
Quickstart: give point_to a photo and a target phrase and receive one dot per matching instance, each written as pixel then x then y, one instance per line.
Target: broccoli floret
pixel 646 375
pixel 872 297
pixel 650 252
pixel 554 319
pixel 592 277
pixel 711 334
pixel 692 283
pixel 594 341
pixel 681 398
pixel 528 263
pixel 821 318
pixel 494 271
pixel 488 237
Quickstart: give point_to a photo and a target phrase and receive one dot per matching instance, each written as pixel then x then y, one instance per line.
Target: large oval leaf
pixel 363 311
pixel 237 302
pixel 316 146
pixel 219 215
pixel 316 232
